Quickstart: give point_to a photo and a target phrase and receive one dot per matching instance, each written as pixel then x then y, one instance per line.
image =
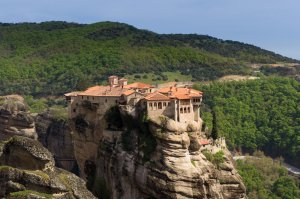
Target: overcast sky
pixel 270 24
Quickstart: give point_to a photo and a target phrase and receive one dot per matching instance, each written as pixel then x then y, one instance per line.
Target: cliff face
pixel 56 136
pixel 134 157
pixel 27 171
pixel 15 118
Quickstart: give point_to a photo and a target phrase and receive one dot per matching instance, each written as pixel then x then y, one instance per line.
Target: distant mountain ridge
pixel 56 57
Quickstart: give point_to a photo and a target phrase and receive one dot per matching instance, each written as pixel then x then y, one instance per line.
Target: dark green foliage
pixel 265 178
pixel 52 58
pixel 113 118
pixel 261 114
pixel 216 158
pixel 286 188
pixel 146 141
pixel 214 131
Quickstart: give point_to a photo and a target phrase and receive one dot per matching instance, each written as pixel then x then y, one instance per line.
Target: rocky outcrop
pixel 150 159
pixel 15 118
pixel 56 136
pixel 27 171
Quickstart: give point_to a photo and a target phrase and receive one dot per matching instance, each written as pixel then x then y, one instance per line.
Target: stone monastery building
pixel 178 103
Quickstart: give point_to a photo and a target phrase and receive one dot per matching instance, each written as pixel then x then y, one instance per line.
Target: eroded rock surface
pixel 27 171
pixel 15 118
pixel 150 159
pixel 56 136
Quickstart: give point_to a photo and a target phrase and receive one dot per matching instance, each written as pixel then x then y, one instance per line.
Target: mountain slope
pixel 56 57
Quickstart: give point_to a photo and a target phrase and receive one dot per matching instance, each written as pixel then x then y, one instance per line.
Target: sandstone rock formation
pixel 56 136
pixel 15 118
pixel 149 159
pixel 27 171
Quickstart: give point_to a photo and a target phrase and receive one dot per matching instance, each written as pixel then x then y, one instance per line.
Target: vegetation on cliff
pixel 55 57
pixel 262 114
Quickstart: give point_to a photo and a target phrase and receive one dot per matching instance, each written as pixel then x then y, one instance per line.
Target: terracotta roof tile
pixel 204 142
pixel 128 92
pixel 156 96
pixel 181 93
pixel 103 91
pixel 139 85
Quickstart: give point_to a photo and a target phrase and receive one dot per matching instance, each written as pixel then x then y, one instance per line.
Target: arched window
pixel 181 110
pixel 169 103
pixel 155 105
pixel 189 109
pixel 184 109
pixel 165 104
pixel 159 105
pixel 151 106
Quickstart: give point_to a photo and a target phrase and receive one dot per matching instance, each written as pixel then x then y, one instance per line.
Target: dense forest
pixel 266 178
pixel 52 58
pixel 259 114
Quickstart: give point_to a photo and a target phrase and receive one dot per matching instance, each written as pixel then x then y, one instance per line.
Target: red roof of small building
pixel 204 142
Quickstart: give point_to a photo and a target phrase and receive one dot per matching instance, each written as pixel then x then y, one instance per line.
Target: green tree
pixel 286 188
pixel 214 131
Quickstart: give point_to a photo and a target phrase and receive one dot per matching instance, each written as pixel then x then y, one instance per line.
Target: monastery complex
pixel 178 103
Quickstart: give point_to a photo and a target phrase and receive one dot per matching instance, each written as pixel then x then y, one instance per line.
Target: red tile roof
pixel 103 91
pixel 181 93
pixel 139 85
pixel 128 92
pixel 156 96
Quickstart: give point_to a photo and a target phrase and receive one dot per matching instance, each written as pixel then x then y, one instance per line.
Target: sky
pixel 271 24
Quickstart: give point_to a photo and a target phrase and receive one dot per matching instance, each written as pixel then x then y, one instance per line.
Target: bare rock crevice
pixel 27 169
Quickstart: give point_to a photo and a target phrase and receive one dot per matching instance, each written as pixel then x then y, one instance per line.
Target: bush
pixel 216 158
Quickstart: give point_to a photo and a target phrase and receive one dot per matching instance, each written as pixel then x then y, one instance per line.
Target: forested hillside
pixel 55 57
pixel 259 114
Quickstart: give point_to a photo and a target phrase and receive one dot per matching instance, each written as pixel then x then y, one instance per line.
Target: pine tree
pixel 214 131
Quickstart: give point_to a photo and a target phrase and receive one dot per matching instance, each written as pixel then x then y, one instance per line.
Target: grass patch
pixel 39 173
pixel 5 168
pixel 64 179
pixel 27 193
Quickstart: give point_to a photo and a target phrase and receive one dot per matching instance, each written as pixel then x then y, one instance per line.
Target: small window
pixel 81 97
pixel 188 109
pixel 74 110
pixel 184 110
pixel 169 104
pixel 93 98
pixel 150 104
pixel 87 97
pixel 181 110
pixel 116 101
pixel 165 104
pixel 105 100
